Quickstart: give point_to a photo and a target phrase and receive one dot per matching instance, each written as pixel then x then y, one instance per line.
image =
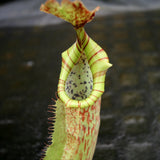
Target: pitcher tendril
pixel 80 87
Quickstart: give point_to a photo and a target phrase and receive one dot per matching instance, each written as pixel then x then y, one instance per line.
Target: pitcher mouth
pixel 97 61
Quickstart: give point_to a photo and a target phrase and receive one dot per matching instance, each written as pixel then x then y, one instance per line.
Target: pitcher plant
pixel 80 87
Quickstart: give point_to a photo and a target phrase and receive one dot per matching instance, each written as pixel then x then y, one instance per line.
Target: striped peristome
pixel 75 124
pixel 98 62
